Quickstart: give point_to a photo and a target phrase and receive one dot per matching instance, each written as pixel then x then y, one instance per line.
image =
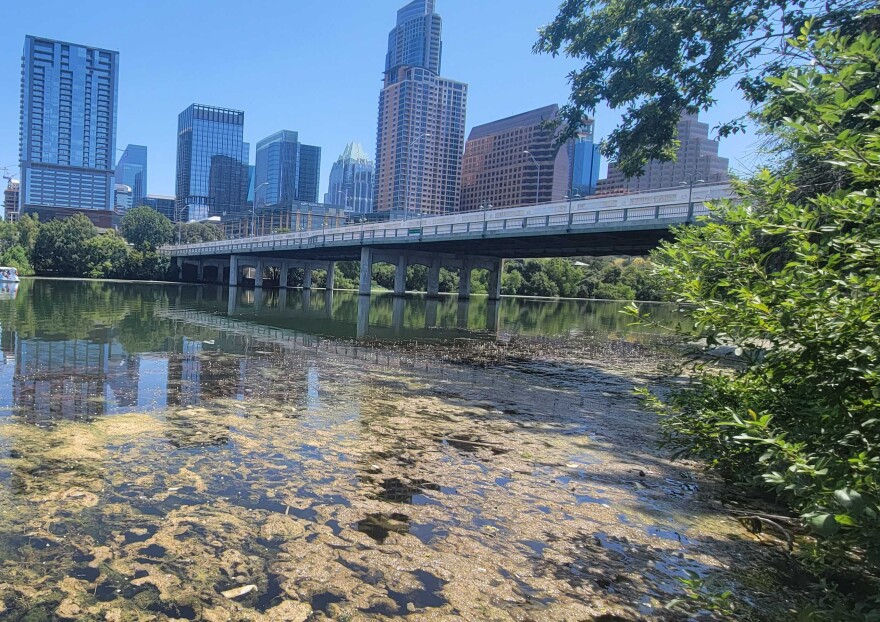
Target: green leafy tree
pixel 196 232
pixel 107 256
pixel 27 226
pixel 790 280
pixel 17 257
pixel 654 59
pixel 146 228
pixel 61 246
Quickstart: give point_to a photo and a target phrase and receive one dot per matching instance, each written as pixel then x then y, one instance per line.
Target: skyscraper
pixel 289 169
pixel 212 161
pixel 586 159
pixel 351 180
pixel 68 129
pixel 516 161
pixel 420 132
pixel 131 171
pixel 10 200
pixel 697 158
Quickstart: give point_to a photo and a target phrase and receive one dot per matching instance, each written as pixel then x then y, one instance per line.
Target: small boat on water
pixel 8 274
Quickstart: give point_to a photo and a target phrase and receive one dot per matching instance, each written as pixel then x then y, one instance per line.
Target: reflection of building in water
pixel 184 374
pixel 72 379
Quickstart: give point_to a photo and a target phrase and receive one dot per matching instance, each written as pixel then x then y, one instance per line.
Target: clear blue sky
pixel 312 67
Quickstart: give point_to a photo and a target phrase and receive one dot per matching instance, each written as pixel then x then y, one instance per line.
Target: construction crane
pixel 6 174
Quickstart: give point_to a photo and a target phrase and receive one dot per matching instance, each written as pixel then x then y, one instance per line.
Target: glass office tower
pixel 131 171
pixel 286 170
pixel 420 131
pixel 212 162
pixel 351 181
pixel 68 128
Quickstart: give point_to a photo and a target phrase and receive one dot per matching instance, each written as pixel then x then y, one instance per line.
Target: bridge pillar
pixel 307 276
pixel 331 276
pixel 219 277
pixel 179 261
pixel 464 280
pixel 258 273
pixel 495 280
pixel 400 275
pixel 200 271
pixel 233 271
pixel 366 279
pixel 285 273
pixel 434 278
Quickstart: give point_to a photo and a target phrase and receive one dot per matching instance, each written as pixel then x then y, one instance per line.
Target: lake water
pixel 174 452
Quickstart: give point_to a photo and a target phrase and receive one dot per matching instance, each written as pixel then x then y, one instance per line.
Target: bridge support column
pixel 285 272
pixel 434 278
pixel 200 271
pixel 495 281
pixel 331 276
pixel 307 276
pixel 258 273
pixel 219 277
pixel 400 275
pixel 233 271
pixel 179 261
pixel 366 279
pixel 464 280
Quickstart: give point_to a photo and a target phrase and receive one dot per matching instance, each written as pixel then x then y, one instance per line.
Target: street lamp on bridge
pixel 690 182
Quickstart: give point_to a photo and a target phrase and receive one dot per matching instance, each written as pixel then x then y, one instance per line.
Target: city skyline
pixel 155 86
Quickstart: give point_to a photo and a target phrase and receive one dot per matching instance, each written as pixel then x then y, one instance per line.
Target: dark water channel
pixel 171 452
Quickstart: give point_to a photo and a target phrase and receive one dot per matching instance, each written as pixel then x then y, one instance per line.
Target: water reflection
pixel 79 350
pixel 331 477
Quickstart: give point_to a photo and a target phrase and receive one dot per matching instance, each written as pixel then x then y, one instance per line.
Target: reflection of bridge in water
pixel 303 316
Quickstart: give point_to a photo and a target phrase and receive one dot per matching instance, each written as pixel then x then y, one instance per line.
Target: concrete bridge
pixel 630 224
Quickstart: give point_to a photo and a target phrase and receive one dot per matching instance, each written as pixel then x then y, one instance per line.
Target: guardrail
pixel 470 226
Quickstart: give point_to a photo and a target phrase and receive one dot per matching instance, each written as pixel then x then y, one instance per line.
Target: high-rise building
pixel 584 152
pixel 696 159
pixel 161 203
pixel 68 129
pixel 351 181
pixel 286 170
pixel 516 161
pixel 420 132
pixel 10 200
pixel 212 161
pixel 131 171
pixel 124 198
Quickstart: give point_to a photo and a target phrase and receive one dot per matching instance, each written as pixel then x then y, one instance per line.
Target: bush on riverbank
pixel 613 278
pixel 791 278
pixel 74 247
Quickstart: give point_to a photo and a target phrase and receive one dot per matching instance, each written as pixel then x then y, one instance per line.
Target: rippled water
pixel 169 452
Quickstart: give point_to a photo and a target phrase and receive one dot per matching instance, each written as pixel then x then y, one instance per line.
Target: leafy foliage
pixel 146 228
pixel 791 279
pixel 195 232
pixel 61 246
pixel 656 59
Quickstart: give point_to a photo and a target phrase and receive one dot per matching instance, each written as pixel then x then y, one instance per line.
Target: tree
pixel 61 246
pixel 658 58
pixel 107 256
pixel 16 257
pixel 790 281
pixel 146 228
pixel 196 232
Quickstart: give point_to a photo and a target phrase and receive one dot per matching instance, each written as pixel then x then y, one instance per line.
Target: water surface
pixel 183 453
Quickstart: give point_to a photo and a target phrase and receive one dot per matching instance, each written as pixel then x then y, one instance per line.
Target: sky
pixel 311 67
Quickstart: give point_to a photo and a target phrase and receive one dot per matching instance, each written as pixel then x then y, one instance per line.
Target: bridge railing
pixel 477 223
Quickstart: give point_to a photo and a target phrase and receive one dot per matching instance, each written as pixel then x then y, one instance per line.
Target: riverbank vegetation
pixel 790 278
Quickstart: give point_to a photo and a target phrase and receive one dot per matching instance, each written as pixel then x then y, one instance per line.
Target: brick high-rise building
pixel 697 158
pixel 516 161
pixel 420 133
